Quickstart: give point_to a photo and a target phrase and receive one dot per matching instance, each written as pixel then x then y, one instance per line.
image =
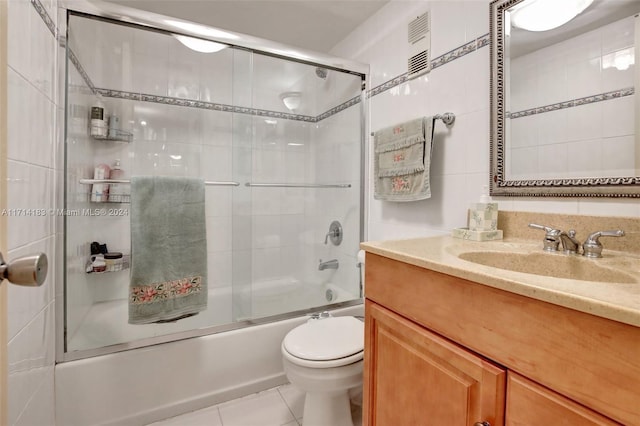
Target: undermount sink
pixel 550 265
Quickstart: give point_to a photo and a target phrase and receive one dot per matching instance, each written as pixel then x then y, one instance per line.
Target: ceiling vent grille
pixel 419 38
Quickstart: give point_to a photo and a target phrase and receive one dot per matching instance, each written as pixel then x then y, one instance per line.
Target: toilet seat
pixel 325 343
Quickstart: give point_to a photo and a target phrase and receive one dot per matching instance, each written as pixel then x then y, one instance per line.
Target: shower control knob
pixel 28 271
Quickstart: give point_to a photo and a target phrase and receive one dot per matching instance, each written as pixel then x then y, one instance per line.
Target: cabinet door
pixel 528 403
pixel 414 377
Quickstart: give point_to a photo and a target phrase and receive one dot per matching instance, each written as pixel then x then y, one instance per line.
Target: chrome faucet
pixel 593 247
pixel 329 264
pixel 553 237
pixel 570 245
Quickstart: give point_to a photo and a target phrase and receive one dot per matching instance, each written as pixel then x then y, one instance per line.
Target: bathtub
pixel 106 323
pixel 144 385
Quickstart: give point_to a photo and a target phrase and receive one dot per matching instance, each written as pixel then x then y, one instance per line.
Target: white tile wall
pixel 460 161
pixel 32 115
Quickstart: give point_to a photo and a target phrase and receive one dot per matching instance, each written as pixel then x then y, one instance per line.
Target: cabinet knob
pixel 482 424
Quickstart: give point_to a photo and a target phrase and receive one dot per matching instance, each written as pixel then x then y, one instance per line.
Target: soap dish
pixel 467 234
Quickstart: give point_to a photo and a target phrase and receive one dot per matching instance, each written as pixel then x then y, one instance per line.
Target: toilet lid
pixel 326 339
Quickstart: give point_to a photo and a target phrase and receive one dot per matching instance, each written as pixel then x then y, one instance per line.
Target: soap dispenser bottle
pixel 117 190
pixel 483 216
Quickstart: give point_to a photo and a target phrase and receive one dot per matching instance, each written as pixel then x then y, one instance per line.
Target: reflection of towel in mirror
pixel 168 249
pixel 402 161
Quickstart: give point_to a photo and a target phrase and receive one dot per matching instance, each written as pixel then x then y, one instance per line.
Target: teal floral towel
pixel 402 157
pixel 168 249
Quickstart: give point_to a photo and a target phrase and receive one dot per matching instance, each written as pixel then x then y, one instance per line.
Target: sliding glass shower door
pixel 277 143
pixel 304 175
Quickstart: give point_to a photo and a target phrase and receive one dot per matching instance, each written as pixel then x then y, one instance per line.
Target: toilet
pixel 324 358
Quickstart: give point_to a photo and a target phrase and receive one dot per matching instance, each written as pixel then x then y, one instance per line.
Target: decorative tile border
pixel 454 54
pixel 351 102
pixel 45 17
pixel 387 85
pixel 168 100
pixel 76 62
pixel 483 40
pixel 614 94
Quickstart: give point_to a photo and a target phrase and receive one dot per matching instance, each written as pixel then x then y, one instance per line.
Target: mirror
pixel 565 119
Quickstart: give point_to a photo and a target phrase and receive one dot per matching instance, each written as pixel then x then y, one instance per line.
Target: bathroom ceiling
pixel 311 24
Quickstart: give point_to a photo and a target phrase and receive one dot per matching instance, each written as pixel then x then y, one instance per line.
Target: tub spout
pixel 329 264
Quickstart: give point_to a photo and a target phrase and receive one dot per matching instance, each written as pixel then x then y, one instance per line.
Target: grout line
pixel 30 83
pixel 30 242
pixel 285 403
pixel 219 415
pixel 50 303
pixel 32 396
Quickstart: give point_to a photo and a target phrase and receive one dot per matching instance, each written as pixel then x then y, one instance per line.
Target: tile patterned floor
pixel 281 406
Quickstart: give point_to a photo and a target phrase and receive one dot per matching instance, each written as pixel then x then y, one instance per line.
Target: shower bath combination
pixel 269 193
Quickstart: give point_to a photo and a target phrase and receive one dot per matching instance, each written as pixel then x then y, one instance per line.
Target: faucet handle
pixel 544 228
pixel 593 247
pixel 551 237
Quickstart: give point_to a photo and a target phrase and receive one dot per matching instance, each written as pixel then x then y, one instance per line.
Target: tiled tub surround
pixel 34 107
pixel 572 107
pixel 256 237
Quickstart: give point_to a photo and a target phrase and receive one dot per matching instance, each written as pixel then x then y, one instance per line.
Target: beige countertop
pixel 618 301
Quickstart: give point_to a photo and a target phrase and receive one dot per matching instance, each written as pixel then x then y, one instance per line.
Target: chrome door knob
pixel 29 271
pixel 482 424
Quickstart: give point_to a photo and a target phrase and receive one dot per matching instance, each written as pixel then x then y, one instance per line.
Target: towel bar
pixel 298 185
pixel 207 183
pixel 447 118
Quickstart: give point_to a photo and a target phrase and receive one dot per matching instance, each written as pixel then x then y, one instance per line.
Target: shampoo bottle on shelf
pixel 114 127
pixel 117 191
pixel 483 216
pixel 100 191
pixel 98 121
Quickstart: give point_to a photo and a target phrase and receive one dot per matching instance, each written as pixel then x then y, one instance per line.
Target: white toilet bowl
pixel 324 358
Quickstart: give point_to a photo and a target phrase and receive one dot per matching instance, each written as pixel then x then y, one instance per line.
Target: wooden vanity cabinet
pixel 438 345
pixel 415 377
pixel 528 403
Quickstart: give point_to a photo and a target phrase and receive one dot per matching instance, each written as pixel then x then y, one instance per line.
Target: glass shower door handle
pixel 28 271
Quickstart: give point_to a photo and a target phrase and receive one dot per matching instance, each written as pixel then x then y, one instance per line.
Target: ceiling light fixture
pixel 199 45
pixel 201 30
pixel 544 15
pixel 291 100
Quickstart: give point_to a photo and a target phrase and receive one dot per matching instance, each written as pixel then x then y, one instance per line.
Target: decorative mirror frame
pixel 628 187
